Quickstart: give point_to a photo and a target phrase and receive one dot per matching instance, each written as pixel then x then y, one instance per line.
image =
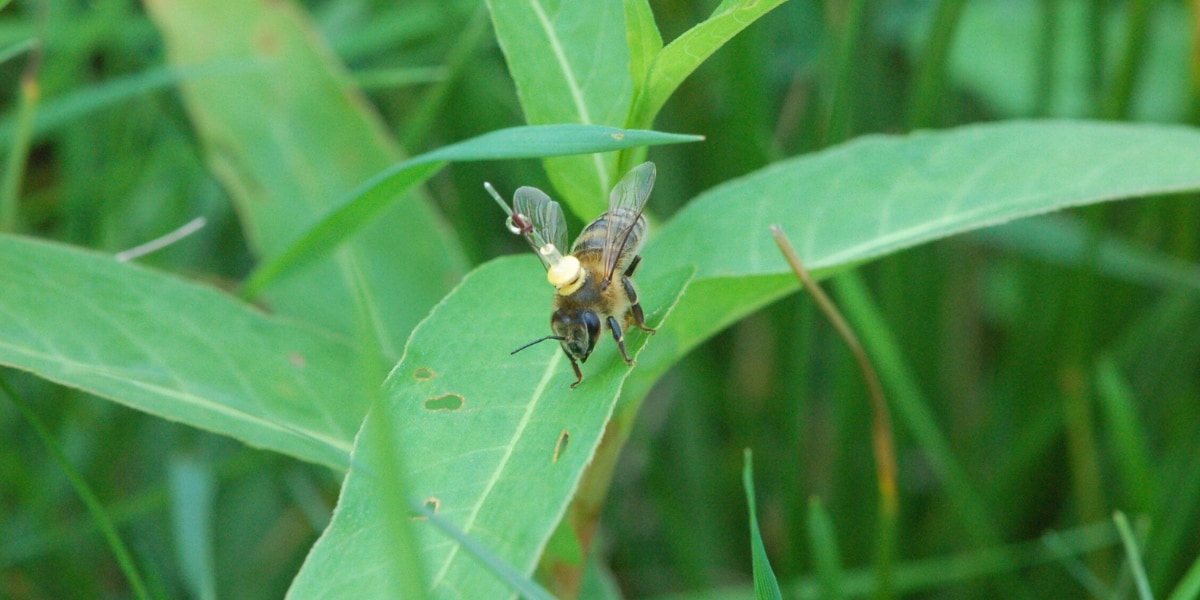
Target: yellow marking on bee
pixel 566 275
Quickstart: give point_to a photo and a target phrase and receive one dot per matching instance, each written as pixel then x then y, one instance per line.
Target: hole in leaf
pixel 432 504
pixel 444 402
pixel 424 373
pixel 561 446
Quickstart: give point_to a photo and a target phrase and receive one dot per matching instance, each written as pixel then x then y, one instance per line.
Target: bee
pixel 593 284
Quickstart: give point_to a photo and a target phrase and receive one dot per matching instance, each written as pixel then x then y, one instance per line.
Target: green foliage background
pixel 1042 373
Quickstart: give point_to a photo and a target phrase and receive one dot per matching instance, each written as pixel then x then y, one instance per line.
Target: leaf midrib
pixel 509 449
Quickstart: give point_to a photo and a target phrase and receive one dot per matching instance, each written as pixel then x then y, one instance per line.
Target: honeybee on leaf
pixel 593 284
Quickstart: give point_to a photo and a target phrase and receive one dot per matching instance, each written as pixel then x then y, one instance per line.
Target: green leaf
pixel 495 443
pixel 645 41
pixel 880 194
pixel 289 140
pixel 822 541
pixel 1133 555
pixel 193 487
pixel 178 350
pixel 375 195
pixel 570 62
pixel 766 587
pixel 687 52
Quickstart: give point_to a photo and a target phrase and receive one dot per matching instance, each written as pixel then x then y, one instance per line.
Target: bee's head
pixel 578 330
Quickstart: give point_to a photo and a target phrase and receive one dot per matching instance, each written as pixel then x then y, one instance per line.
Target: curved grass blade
pixel 766 587
pixel 99 516
pixel 380 191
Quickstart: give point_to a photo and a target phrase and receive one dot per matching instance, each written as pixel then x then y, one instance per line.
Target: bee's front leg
pixel 575 366
pixel 620 337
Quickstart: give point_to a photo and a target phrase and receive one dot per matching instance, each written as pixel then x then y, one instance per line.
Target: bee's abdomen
pixel 591 239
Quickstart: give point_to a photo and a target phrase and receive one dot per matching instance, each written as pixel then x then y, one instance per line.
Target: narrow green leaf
pixel 687 52
pixel 1125 434
pixel 1189 586
pixel 645 41
pixel 290 139
pixel 766 587
pixel 822 539
pixel 178 350
pixel 570 62
pixel 70 107
pixel 17 153
pixel 1133 555
pixel 17 48
pixel 493 443
pixel 193 487
pixel 95 509
pixel 366 202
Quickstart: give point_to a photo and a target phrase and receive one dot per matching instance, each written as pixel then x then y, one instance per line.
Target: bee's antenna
pixel 549 337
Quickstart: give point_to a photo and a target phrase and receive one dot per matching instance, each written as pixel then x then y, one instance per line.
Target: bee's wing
pixel 547 219
pixel 625 206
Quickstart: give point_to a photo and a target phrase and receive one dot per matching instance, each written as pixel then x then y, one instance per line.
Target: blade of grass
pixel 59 111
pixel 357 209
pixel 931 574
pixel 1134 555
pixel 1189 586
pixel 1120 95
pixel 882 442
pixel 18 152
pixel 193 487
pixel 766 587
pixel 913 408
pixel 99 516
pixel 841 104
pixel 929 87
pixel 423 118
pixel 1127 435
pixel 389 78
pixel 16 49
pixel 822 539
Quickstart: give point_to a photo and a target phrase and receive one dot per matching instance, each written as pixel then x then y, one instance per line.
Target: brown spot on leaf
pixel 561 446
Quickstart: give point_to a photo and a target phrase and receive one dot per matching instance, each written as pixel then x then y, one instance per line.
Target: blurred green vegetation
pixel 1060 358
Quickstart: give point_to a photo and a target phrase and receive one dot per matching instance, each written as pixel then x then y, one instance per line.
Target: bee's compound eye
pixel 591 321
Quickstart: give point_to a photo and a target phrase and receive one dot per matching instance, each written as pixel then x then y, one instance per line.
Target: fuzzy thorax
pixel 566 275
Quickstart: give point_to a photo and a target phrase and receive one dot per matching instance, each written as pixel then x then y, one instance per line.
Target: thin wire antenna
pixel 549 337
pixel 158 244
